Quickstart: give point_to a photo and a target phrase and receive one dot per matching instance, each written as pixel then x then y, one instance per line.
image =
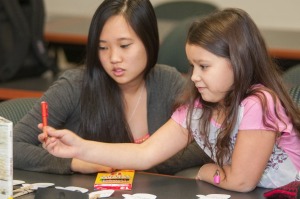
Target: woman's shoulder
pixel 72 74
pixel 164 74
pixel 164 70
pixel 163 78
pixel 69 81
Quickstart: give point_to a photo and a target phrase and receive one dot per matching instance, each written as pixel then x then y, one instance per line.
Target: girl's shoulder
pixel 180 113
pixel 263 107
pixel 260 94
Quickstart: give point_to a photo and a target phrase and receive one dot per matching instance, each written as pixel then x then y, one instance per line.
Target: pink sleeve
pixel 253 115
pixel 179 115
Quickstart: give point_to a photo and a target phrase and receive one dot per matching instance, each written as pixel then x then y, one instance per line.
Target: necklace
pixel 136 105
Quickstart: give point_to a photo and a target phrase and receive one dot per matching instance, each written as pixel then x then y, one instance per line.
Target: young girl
pixel 119 96
pixel 236 109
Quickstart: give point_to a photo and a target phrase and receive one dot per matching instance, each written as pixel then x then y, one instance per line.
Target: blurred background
pixel 266 13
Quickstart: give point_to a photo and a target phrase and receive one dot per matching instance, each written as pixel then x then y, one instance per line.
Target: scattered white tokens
pixel 72 188
pixel 214 196
pixel 139 196
pixel 101 194
pixel 35 186
pixel 18 182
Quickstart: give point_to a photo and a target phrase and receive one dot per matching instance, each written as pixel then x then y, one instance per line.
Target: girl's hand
pixel 60 143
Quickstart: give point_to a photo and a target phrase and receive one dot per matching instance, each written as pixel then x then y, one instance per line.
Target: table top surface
pixel 283 44
pixel 25 87
pixel 67 29
pixel 163 186
pixel 74 30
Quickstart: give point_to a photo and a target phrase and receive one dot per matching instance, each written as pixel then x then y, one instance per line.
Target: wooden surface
pixel 282 44
pixel 25 87
pixel 7 93
pixel 74 30
pixel 67 29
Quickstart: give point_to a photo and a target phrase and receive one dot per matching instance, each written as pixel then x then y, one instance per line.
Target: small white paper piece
pixel 139 196
pixel 18 182
pixel 72 188
pixel 214 196
pixel 101 194
pixel 223 196
pixel 35 186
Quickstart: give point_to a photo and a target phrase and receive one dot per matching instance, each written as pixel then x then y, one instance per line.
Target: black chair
pixel 15 109
pixel 292 76
pixel 179 10
pixel 169 14
pixel 295 94
pixel 172 48
pixel 174 19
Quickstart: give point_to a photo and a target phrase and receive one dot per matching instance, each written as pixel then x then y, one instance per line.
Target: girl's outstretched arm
pixel 251 153
pixel 61 143
pixel 167 141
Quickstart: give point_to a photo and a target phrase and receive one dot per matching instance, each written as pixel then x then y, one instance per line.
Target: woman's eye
pixel 125 45
pixel 191 65
pixel 102 48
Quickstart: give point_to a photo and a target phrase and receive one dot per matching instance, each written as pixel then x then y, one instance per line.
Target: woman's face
pixel 121 52
pixel 213 75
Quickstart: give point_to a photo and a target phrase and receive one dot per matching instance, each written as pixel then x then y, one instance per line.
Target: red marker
pixel 44 108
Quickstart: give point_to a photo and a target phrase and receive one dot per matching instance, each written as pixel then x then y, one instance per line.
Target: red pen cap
pixel 44 106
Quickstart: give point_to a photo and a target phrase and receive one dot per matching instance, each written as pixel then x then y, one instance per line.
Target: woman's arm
pixel 251 153
pixel 62 98
pixel 168 140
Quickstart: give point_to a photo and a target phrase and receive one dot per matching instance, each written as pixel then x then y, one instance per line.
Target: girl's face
pixel 121 52
pixel 212 75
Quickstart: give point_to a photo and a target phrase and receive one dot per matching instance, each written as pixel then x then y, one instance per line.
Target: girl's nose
pixel 196 77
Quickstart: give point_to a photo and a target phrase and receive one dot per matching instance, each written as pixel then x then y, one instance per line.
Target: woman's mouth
pixel 118 72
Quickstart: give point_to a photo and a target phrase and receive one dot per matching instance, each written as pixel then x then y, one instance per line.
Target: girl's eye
pixel 191 65
pixel 203 67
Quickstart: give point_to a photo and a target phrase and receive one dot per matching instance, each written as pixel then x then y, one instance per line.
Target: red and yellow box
pixel 117 180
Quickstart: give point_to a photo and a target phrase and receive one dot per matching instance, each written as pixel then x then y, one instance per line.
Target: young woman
pixel 236 108
pixel 120 95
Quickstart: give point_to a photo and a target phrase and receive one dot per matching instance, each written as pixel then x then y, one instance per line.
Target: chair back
pixel 295 94
pixel 174 19
pixel 172 48
pixel 292 76
pixel 179 10
pixel 15 109
pixel 169 14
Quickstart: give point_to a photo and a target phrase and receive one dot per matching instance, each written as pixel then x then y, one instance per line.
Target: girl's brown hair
pixel 232 34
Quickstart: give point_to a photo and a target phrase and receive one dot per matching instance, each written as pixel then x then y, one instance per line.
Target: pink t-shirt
pixel 252 119
pixel 284 163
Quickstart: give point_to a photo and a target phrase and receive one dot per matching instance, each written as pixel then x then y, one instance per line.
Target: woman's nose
pixel 115 56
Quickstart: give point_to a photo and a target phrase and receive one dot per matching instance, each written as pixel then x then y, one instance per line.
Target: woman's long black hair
pixel 102 106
